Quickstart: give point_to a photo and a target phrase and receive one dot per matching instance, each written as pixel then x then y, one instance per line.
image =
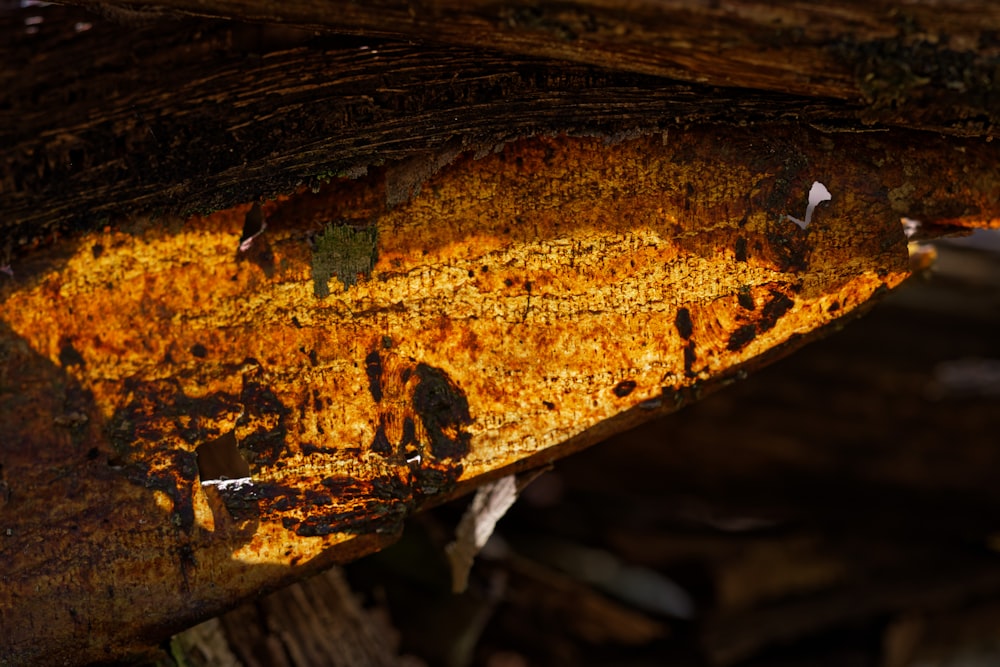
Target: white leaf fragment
pixel 247 243
pixel 228 484
pixel 817 195
pixel 489 505
pixel 253 226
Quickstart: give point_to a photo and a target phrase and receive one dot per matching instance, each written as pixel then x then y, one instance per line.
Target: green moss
pixel 345 252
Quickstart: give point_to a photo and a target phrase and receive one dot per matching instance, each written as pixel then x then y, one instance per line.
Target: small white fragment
pixel 490 504
pixel 910 226
pixel 817 195
pixel 6 269
pixel 82 26
pixel 230 484
pixel 414 459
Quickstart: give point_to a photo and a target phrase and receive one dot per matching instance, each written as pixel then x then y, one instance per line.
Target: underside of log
pixel 366 359
pixel 839 507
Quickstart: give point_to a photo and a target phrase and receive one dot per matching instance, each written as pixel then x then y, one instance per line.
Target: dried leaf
pixel 491 502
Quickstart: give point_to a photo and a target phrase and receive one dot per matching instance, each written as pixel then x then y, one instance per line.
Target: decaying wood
pixel 314 622
pixel 838 507
pixel 522 305
pixel 839 490
pixel 492 290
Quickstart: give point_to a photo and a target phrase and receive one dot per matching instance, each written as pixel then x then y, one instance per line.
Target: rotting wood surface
pixel 521 305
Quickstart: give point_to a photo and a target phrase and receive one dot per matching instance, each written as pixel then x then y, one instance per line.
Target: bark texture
pixel 839 507
pixel 175 117
pixel 924 63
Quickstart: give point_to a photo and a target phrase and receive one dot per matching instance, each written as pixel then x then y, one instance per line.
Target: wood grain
pixel 916 63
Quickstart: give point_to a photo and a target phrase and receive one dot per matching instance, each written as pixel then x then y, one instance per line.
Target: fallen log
pixel 797 511
pixel 198 408
pixel 366 360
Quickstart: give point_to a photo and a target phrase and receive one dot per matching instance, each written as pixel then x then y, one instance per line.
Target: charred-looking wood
pixel 373 368
pixel 338 505
pixel 624 388
pixel 685 327
pixel 444 411
pixel 741 337
pixel 690 357
pixel 906 61
pixel 416 392
pixel 159 413
pixel 773 309
pixel 895 74
pixel 261 428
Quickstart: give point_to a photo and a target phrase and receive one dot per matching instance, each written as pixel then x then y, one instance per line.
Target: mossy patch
pixel 928 79
pixel 345 252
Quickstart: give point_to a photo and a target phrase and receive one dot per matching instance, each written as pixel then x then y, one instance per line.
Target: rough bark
pixel 923 63
pixel 833 491
pixel 318 621
pixel 841 502
pixel 179 117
